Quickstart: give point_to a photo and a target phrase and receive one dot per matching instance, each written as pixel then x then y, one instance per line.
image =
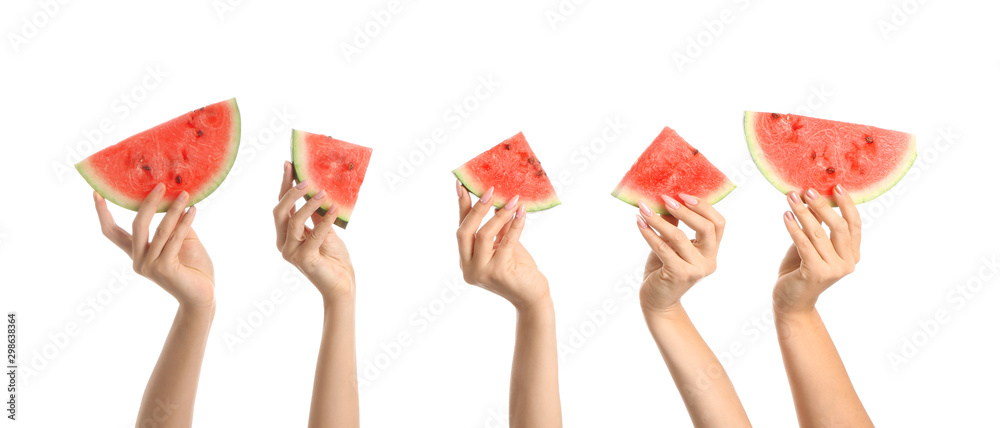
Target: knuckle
pixel 818 233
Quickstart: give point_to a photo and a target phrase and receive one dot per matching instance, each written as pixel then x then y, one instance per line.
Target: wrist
pixel 670 313
pixel 197 311
pixel 536 305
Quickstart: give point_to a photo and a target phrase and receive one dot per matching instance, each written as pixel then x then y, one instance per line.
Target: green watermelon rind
pixel 299 162
pixel 632 197
pixel 477 188
pixel 108 193
pixel 768 170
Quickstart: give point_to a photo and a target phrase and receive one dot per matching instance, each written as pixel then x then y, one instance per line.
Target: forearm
pixel 335 388
pixel 707 391
pixel 169 397
pixel 821 388
pixel 534 379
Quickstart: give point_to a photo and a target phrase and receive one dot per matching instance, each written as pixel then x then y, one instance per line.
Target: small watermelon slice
pixel 335 166
pixel 796 153
pixel 512 169
pixel 670 166
pixel 193 152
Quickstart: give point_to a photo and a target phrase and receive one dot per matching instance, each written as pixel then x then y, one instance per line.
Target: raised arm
pixel 493 258
pixel 672 268
pixel 821 389
pixel 177 262
pixel 322 257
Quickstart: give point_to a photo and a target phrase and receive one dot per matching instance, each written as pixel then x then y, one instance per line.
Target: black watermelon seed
pixel 830 170
pixel 508 147
pixel 814 155
pixel 531 160
pixel 201 109
pixel 350 166
pixel 775 115
pixel 200 133
pixel 177 179
pixel 869 139
pixel 146 168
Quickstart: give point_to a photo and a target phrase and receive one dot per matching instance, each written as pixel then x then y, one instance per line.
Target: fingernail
pixel 671 202
pixel 645 208
pixel 320 195
pixel 789 216
pixel 642 222
pixel 839 189
pixel 520 212
pixel 159 187
pixel 288 164
pixel 183 196
pixel 688 199
pixel 794 197
pixel 302 185
pixel 811 194
pixel 512 203
pixel 487 197
pixel 458 188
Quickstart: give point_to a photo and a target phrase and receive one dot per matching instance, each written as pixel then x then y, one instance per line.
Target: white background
pixel 937 72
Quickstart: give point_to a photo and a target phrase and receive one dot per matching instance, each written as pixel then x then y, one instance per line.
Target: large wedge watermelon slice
pixel 796 153
pixel 335 166
pixel 512 169
pixel 670 166
pixel 193 153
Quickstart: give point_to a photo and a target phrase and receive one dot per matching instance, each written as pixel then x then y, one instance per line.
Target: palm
pixel 656 285
pixel 331 264
pixel 195 280
pixel 790 287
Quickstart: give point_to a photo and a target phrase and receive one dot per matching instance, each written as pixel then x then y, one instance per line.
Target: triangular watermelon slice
pixel 512 169
pixel 193 153
pixel 670 166
pixel 798 152
pixel 335 166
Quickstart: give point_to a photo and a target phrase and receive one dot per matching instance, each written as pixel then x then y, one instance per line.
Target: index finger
pixel 111 230
pixel 707 211
pixel 140 226
pixel 470 224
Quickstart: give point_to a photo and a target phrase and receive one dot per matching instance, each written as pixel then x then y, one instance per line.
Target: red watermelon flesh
pixel 796 153
pixel 335 166
pixel 512 169
pixel 670 166
pixel 193 152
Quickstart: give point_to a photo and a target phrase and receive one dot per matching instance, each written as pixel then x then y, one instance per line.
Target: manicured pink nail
pixel 320 195
pixel 671 202
pixel 512 203
pixel 642 222
pixel 302 185
pixel 811 194
pixel 458 188
pixel 183 196
pixel 520 212
pixel 645 209
pixel 688 199
pixel 794 197
pixel 789 216
pixel 839 189
pixel 487 197
pixel 159 187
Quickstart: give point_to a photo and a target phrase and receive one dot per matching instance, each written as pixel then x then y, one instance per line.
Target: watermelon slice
pixel 796 153
pixel 670 166
pixel 512 169
pixel 193 153
pixel 335 166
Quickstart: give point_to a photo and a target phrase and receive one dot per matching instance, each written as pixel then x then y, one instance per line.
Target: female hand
pixel 175 258
pixel 676 263
pixel 491 256
pixel 814 262
pixel 318 253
